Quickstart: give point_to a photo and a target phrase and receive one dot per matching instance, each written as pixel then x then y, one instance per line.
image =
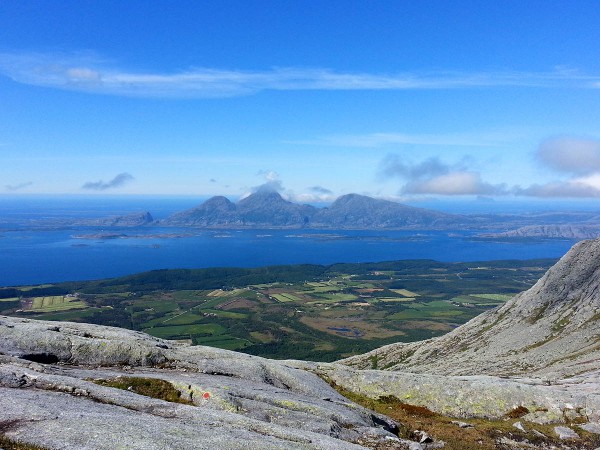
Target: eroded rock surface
pixel 480 396
pixel 241 401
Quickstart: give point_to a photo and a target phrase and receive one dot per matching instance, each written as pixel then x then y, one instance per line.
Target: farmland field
pixel 305 312
pixel 55 303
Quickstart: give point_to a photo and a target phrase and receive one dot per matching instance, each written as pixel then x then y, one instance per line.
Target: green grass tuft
pixel 149 387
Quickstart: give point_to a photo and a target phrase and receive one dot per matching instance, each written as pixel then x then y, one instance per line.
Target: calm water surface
pixel 32 256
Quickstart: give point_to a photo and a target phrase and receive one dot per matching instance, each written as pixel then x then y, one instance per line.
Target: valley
pixel 311 312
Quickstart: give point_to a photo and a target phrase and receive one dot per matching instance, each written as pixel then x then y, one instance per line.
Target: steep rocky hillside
pixel 558 231
pixel 551 330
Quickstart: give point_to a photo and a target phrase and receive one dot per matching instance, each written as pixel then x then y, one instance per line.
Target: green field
pixel 286 297
pixel 185 331
pixel 321 313
pixel 55 303
pixel 498 297
pixel 405 292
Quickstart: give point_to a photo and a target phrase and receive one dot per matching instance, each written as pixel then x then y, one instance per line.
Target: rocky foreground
pixel 48 396
pixel 537 358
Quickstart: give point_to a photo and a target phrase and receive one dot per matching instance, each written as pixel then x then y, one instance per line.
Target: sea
pixel 30 254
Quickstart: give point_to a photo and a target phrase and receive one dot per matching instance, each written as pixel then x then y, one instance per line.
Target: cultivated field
pixel 328 313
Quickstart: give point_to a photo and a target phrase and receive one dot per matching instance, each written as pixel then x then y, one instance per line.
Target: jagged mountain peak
pixel 262 197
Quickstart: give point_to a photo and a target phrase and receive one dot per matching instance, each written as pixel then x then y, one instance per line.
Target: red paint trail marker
pixel 206 396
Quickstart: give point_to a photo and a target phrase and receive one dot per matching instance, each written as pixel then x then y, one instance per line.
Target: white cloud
pixel 272 183
pixel 453 183
pixel 84 72
pixel 432 176
pixel 316 194
pixel 579 156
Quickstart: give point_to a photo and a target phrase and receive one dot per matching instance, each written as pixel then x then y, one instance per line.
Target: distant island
pixel 269 210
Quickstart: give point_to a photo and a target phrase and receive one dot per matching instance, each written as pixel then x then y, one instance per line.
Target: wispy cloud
pixel 315 194
pixel 370 140
pixel 89 73
pixel 453 183
pixel 17 187
pixel 118 181
pixel 320 190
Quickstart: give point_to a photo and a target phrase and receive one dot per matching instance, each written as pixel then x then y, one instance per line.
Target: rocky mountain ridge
pixel 269 209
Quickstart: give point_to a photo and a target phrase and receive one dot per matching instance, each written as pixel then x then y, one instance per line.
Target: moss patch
pixel 149 387
pixel 8 444
pixel 519 411
pixel 481 435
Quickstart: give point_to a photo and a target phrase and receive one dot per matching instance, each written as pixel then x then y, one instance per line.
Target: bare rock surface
pixel 481 396
pixel 48 397
pixel 565 433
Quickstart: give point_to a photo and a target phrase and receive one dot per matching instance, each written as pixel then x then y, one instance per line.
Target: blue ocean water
pixel 29 256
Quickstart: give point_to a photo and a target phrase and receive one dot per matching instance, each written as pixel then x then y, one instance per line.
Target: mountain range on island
pixel 354 211
pixel 268 209
pixel 529 369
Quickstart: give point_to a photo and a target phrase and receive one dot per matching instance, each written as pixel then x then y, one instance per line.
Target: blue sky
pixel 395 99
